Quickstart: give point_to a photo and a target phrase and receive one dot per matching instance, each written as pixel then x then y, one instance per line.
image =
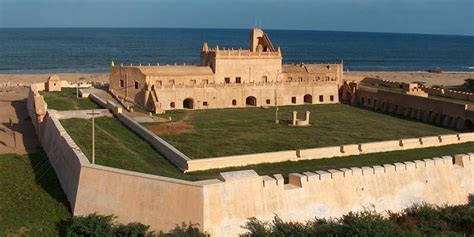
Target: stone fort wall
pixel 445 113
pixel 223 204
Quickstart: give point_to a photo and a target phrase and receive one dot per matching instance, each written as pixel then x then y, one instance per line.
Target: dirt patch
pixel 17 134
pixel 169 128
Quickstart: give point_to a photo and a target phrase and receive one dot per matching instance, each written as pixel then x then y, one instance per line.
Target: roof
pixel 176 70
pixel 309 68
pixel 294 69
pixel 54 77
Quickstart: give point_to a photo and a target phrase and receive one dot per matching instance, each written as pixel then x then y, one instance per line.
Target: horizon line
pixel 231 28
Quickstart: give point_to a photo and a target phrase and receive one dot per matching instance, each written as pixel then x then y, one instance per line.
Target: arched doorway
pixel 308 99
pixel 251 101
pixel 188 103
pixel 468 126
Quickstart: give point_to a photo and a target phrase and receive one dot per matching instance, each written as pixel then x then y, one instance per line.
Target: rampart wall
pixel 445 113
pixel 328 152
pixel 447 93
pixel 333 193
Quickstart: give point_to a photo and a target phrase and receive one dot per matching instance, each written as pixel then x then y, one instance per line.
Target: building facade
pixel 228 78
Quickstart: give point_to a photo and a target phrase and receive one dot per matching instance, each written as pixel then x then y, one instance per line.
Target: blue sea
pixel 92 49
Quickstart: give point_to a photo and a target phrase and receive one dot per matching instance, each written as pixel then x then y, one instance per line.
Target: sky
pixel 455 17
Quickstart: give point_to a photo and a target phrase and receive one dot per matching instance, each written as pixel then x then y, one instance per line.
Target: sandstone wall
pixel 444 113
pixel 157 201
pixel 333 193
pixel 328 152
pixel 235 95
pixel 170 152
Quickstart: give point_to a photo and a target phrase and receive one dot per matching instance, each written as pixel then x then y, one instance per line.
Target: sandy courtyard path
pixel 17 134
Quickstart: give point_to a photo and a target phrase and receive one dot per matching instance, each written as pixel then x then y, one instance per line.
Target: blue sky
pixel 410 16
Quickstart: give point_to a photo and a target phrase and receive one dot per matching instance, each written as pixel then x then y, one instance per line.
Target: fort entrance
pixel 251 101
pixel 188 103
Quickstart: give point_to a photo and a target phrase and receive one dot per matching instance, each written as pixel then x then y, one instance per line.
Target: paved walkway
pixel 137 116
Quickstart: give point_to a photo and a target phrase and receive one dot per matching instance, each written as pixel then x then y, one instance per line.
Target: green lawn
pixel 120 148
pixel 226 132
pixel 66 100
pixel 32 202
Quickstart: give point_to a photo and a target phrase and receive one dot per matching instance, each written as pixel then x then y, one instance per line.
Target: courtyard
pixel 210 133
pixel 118 147
pixel 66 99
pixel 226 132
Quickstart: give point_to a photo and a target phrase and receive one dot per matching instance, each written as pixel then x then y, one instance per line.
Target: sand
pixel 26 79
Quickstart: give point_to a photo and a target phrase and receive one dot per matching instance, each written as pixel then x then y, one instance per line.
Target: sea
pixel 49 50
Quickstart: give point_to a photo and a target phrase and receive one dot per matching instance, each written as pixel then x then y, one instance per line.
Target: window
pixel 159 83
pixel 321 98
pixel 227 80
pixel 204 103
pixel 136 84
pixel 368 101
pixel 293 100
pixel 327 78
pixel 205 81
pixel 238 80
pixel 268 101
pixel 234 102
pixel 172 105
pixel 331 98
pixel 171 82
pixel 264 79
pixel 362 101
pixel 193 82
pixel 290 78
pixel 300 79
pixel 122 83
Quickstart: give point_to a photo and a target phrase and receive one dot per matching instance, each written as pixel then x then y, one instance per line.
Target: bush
pixel 418 220
pixel 133 230
pixel 91 225
pixel 95 225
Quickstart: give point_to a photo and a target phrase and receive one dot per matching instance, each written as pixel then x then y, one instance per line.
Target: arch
pixel 172 105
pixel 251 101
pixel 188 103
pixel 308 99
pixel 468 125
pixel 234 102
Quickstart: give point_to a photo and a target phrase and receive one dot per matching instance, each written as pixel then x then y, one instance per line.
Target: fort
pixel 228 78
pixel 221 192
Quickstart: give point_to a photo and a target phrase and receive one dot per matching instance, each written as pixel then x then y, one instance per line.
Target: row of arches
pixel 189 103
pixel 427 116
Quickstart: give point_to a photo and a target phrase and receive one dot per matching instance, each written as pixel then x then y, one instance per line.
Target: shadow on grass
pixel 46 178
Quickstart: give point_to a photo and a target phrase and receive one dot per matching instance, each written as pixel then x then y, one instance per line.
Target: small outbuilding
pixel 53 83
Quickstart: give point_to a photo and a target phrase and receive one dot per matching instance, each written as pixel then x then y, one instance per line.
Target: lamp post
pixel 276 104
pixel 93 134
pixel 77 84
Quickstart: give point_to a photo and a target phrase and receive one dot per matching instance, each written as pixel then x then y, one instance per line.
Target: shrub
pixel 133 230
pixel 186 230
pixel 418 220
pixel 91 225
